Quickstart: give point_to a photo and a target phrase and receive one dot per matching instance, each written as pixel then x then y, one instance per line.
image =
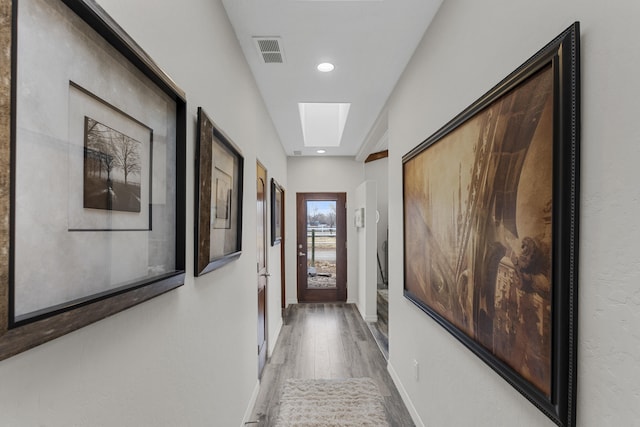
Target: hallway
pixel 326 341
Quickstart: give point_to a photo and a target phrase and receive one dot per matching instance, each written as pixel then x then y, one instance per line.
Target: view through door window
pixel 321 244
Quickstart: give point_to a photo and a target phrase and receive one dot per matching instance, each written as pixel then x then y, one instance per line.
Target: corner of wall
pixel 291 301
pixel 246 419
pixel 274 334
pixel 405 396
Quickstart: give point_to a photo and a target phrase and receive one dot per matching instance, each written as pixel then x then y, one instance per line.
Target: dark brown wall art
pixel 218 199
pixel 490 227
pixel 81 170
pixel 277 208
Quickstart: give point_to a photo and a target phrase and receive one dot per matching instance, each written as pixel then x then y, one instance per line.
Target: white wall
pixel 378 171
pixel 187 358
pixel 469 47
pixel 366 198
pixel 317 175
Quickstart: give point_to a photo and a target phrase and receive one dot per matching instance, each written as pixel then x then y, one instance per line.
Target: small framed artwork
pixel 108 152
pixel 93 164
pixel 277 212
pixel 116 166
pixel 218 199
pixel 491 227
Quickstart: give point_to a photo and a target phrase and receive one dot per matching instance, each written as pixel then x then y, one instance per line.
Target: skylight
pixel 323 123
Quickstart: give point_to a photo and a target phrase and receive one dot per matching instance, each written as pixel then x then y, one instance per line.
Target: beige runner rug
pixel 329 403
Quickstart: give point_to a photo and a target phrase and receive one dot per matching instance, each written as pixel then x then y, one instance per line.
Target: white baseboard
pixel 274 339
pixel 405 396
pixel 252 403
pixel 370 318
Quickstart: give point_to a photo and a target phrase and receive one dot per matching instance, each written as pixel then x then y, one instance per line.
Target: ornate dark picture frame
pixel 491 227
pixel 277 210
pixel 163 269
pixel 218 198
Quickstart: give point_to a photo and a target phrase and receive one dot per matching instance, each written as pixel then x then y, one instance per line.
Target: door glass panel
pixel 321 244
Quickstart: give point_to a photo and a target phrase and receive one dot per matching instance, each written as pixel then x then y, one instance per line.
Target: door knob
pixel 301 254
pixel 266 275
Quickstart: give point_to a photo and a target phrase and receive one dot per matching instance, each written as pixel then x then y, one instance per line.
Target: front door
pixel 261 220
pixel 321 247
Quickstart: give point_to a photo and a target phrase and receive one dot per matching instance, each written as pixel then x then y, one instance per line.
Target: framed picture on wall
pixel 277 212
pixel 92 146
pixel 115 173
pixel 491 227
pixel 218 200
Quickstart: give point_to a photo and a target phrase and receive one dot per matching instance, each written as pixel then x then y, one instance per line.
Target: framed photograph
pixel 218 199
pixel 109 153
pixel 92 146
pixel 491 227
pixel 114 174
pixel 277 211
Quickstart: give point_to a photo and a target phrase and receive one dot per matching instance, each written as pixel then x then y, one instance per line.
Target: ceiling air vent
pixel 270 49
pixel 297 153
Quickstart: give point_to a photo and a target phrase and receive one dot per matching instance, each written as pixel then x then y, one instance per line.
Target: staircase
pixel 380 329
pixel 383 311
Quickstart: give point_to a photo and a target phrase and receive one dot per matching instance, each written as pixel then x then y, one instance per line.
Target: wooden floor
pixel 325 341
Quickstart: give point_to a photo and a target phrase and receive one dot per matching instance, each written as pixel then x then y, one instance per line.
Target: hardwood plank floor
pixel 327 340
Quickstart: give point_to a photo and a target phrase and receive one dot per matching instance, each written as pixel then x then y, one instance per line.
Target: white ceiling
pixel 368 41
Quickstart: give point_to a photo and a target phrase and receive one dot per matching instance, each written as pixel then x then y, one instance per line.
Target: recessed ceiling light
pixel 325 67
pixel 321 151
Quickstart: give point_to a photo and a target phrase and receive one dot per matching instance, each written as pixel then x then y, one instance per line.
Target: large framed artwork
pixel 218 198
pixel 92 146
pixel 491 227
pixel 277 210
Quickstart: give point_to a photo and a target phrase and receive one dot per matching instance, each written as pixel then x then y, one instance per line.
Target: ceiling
pixel 368 41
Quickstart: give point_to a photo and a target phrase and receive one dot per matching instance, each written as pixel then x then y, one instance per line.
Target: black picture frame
pixel 277 209
pixel 491 227
pixel 19 331
pixel 219 174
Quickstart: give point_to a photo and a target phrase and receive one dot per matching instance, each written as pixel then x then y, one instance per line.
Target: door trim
pixel 283 287
pixel 339 293
pixel 262 271
pixel 276 187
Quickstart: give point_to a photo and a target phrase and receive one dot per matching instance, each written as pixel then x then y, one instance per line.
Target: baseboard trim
pixel 273 337
pixel 252 403
pixel 371 318
pixel 405 396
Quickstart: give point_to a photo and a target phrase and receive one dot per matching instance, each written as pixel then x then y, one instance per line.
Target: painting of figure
pixel 478 227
